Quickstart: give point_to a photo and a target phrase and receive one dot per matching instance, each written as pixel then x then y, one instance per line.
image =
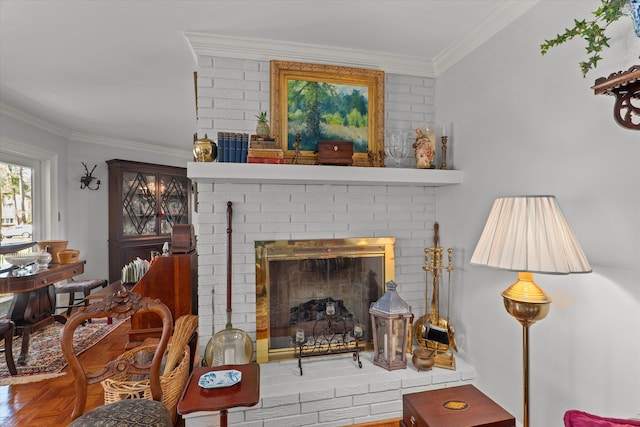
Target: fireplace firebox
pixel 296 278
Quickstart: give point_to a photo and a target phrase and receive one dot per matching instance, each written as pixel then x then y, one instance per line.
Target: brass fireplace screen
pixel 295 279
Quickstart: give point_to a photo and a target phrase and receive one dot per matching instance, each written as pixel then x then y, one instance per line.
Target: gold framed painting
pixel 314 102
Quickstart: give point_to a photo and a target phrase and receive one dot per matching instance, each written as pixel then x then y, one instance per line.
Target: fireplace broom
pixel 230 346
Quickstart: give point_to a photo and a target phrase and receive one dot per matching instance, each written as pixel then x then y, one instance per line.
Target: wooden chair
pixel 120 305
pixel 7 329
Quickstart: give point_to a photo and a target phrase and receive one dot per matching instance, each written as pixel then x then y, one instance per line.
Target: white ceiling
pixel 123 69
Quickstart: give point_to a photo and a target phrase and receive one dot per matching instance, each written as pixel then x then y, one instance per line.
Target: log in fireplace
pixel 296 278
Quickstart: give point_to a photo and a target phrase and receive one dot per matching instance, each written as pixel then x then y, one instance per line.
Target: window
pixel 42 167
pixel 16 203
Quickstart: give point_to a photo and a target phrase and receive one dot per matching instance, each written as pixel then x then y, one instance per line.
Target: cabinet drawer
pixel 57 276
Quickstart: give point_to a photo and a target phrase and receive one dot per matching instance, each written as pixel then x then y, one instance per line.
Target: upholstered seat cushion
pixel 81 286
pixel 575 418
pixel 126 413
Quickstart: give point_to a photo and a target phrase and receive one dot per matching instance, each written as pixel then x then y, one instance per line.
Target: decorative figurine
pixel 296 145
pixel 425 150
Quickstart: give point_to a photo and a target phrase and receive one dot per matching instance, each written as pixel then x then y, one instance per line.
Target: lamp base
pixel 525 301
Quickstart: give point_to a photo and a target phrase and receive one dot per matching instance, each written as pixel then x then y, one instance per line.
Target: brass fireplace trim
pixel 304 249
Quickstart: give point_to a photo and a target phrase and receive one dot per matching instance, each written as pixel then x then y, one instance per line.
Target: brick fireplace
pixel 291 202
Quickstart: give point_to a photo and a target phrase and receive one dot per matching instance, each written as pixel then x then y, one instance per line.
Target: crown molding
pixel 496 21
pixel 12 146
pixel 29 119
pixel 129 145
pixel 205 44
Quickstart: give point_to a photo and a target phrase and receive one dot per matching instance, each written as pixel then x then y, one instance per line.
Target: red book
pixel 274 161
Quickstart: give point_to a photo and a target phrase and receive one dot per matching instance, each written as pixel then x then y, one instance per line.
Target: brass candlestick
pixel 444 152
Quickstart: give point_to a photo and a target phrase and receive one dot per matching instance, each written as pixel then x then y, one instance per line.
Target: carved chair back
pixel 119 305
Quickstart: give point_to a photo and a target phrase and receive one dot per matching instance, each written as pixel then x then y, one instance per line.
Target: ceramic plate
pixel 218 379
pixel 175 206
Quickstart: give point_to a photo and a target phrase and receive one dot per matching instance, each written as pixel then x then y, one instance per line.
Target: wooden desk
pixel 246 393
pixel 462 406
pixel 34 298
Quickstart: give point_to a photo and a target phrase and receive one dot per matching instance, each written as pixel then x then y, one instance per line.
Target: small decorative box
pixel 335 153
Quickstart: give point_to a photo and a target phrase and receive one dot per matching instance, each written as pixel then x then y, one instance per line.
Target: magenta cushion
pixel 575 418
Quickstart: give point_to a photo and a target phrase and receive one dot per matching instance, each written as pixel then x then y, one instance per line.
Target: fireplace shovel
pixel 230 346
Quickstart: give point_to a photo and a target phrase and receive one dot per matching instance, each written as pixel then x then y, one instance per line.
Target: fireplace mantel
pixel 305 174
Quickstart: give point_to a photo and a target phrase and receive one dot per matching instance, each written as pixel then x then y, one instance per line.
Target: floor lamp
pixel 528 234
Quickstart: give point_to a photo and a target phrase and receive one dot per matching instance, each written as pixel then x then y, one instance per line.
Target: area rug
pixel 45 359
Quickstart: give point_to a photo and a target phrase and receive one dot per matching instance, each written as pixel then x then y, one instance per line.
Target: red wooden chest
pixel 463 406
pixel 335 153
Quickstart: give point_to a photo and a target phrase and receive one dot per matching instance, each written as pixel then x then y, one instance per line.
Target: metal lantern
pixel 390 318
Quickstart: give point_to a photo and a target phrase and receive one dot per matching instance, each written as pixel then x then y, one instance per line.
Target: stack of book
pixel 265 150
pixel 233 147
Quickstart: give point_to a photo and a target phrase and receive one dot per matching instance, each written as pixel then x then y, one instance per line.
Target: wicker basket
pixel 53 247
pixel 68 256
pixel 123 387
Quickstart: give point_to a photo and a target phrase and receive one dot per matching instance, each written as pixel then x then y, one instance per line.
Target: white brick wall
pixel 272 212
pixel 265 212
pixel 231 92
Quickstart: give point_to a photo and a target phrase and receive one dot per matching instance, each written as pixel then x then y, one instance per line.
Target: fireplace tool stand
pixel 433 331
pixel 327 340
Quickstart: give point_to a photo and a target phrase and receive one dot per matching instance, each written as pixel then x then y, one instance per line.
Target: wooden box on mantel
pixel 335 153
pixel 463 406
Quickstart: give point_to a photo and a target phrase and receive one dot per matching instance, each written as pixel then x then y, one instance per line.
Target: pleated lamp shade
pixel 529 234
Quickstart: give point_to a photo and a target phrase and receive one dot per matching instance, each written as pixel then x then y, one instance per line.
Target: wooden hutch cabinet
pixel 145 202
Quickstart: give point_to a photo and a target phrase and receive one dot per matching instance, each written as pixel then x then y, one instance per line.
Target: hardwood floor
pixel 50 402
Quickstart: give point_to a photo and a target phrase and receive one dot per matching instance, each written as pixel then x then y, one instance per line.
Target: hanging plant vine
pixel 593 32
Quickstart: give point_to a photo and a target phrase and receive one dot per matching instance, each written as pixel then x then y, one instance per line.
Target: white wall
pixel 529 124
pixel 84 213
pixel 88 215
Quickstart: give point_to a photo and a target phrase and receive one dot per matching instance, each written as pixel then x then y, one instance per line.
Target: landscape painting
pixel 313 102
pixel 323 110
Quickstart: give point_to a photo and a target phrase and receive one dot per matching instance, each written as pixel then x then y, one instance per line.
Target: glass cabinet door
pixel 139 204
pixel 173 202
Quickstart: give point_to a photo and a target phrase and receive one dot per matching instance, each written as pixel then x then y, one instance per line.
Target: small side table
pixel 246 393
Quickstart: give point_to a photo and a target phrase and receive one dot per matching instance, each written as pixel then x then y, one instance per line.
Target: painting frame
pixel 282 72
